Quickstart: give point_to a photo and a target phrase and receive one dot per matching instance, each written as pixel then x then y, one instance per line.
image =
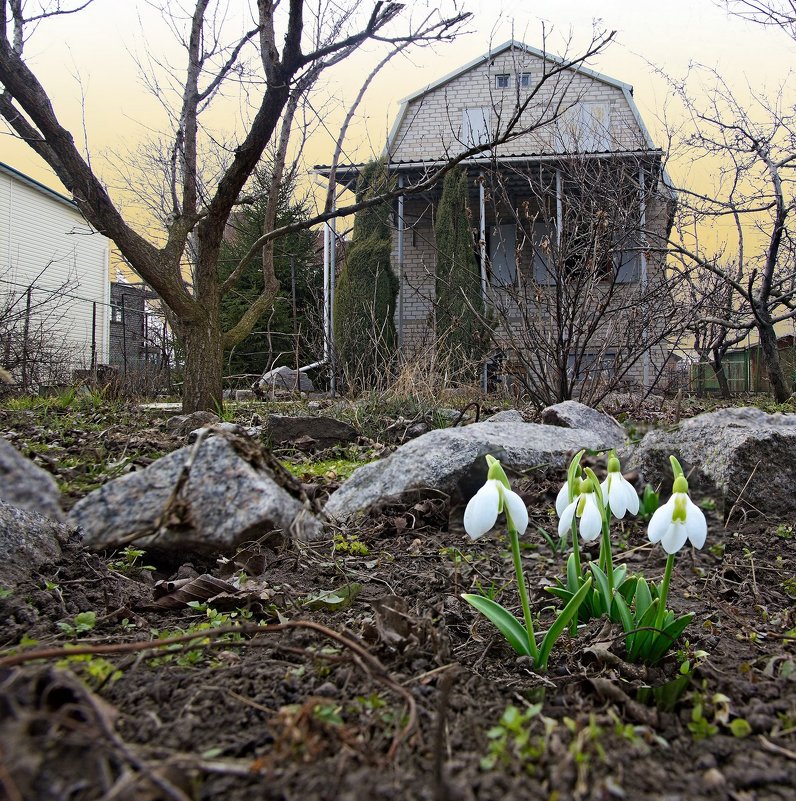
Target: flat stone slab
pixel 743 454
pixel 451 461
pixel 230 497
pixel 25 485
pixel 324 431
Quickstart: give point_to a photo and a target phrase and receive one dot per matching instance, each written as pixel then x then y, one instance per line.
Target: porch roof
pixel 347 174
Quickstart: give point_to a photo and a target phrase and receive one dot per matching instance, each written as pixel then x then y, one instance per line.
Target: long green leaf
pixel 560 623
pixel 623 612
pixel 504 621
pixel 620 571
pixel 601 581
pixel 628 588
pixel 573 579
pixel 643 597
pixel 560 592
pixel 669 636
pixel 641 640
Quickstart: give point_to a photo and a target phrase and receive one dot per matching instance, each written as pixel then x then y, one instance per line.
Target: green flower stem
pixel 663 594
pixel 573 626
pixel 607 556
pixel 526 609
pixel 576 547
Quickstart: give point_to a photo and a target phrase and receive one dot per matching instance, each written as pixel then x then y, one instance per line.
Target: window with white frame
pixel 475 126
pixel 502 81
pixel 524 80
pixel 503 254
pixel 584 128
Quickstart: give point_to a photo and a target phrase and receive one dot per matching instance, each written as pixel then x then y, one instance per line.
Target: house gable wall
pixel 431 125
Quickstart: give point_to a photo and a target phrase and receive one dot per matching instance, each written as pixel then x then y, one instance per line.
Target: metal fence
pixel 46 333
pixel 745 370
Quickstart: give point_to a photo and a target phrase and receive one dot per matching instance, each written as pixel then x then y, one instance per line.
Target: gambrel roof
pixel 452 87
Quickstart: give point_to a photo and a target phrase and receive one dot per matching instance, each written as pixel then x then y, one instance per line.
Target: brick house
pixel 567 197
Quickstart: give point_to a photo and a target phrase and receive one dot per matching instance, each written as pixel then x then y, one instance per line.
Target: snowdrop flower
pixel 492 499
pixel 584 506
pixel 678 520
pixel 618 493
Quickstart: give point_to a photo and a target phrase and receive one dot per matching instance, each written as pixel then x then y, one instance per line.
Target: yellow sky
pixel 98 48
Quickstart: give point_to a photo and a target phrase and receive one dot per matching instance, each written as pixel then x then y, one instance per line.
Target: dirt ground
pixel 352 669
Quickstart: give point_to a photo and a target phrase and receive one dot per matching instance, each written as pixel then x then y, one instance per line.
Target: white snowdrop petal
pixel 482 511
pixel 604 489
pixel 591 522
pixel 674 538
pixel 631 497
pixel 566 518
pixel 660 521
pixel 616 497
pixel 695 524
pixel 562 499
pixel 514 507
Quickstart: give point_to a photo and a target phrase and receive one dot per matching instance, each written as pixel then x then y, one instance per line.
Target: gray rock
pixel 245 395
pixel 25 485
pixel 731 452
pixel 324 431
pixel 451 461
pixel 27 541
pixel 183 424
pixel 224 428
pixel 229 498
pixel 283 378
pixel 571 414
pixel 508 416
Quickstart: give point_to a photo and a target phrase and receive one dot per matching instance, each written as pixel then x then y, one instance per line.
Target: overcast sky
pixel 99 45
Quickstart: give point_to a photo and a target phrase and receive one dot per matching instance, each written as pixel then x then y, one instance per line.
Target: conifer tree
pixel 364 304
pixel 459 306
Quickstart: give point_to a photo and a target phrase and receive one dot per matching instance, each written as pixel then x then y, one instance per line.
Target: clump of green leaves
pixel 127 561
pixel 650 501
pixel 513 738
pixel 82 623
pixel 350 544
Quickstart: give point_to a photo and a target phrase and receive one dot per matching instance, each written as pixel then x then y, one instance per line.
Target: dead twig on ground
pixel 360 654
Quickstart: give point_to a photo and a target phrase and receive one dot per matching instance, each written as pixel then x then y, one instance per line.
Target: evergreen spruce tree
pixel 459 305
pixel 366 292
pixel 272 342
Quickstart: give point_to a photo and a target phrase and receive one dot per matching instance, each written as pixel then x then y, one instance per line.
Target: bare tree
pixel 315 37
pixel 582 306
pixel 774 14
pixel 750 150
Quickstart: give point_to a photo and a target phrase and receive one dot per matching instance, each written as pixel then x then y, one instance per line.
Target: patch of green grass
pixel 341 468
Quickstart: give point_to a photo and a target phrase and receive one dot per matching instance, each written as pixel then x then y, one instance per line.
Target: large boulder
pixel 451 461
pixel 27 541
pixel 285 379
pixel 744 455
pixel 183 424
pixel 26 485
pixel 571 414
pixel 230 497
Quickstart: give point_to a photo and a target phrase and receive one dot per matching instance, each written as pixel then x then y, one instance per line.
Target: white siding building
pixel 54 286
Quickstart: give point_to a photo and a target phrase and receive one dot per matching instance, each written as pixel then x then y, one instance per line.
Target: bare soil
pixel 352 669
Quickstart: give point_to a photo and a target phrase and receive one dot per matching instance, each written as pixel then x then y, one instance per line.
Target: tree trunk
pixel 768 346
pixel 204 365
pixel 721 375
